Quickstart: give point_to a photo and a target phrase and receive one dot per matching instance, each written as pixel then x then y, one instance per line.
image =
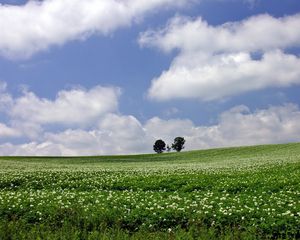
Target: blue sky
pixel 110 77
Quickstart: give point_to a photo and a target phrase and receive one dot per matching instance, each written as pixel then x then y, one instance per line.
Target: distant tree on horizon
pixel 159 146
pixel 178 144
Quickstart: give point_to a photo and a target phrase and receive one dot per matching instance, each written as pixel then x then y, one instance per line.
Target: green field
pixel 230 193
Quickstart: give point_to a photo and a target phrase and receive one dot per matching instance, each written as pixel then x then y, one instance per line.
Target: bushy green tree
pixel 178 144
pixel 159 146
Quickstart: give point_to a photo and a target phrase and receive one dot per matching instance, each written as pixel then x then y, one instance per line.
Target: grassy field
pixel 232 193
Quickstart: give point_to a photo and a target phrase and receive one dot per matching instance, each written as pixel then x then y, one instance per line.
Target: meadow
pixel 229 193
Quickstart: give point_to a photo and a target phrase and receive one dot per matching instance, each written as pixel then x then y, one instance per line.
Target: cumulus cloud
pixel 27 29
pixel 6 131
pixel 73 107
pixel 239 126
pixel 87 122
pixel 236 127
pixel 29 115
pixel 115 134
pixel 219 61
pixel 124 134
pixel 262 32
pixel 225 75
pixel 76 122
pixel 169 129
pixel 34 149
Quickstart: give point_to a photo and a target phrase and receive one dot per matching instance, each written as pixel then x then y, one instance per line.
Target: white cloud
pixel 216 61
pixel 35 26
pixel 236 127
pixel 277 124
pixel 168 129
pixel 29 115
pixel 77 142
pixel 122 134
pixel 73 107
pixel 225 75
pixel 27 129
pixel 34 149
pixel 87 122
pixel 6 131
pixel 76 122
pixel 115 134
pixel 257 33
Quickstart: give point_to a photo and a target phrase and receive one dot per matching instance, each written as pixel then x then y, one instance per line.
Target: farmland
pixel 230 193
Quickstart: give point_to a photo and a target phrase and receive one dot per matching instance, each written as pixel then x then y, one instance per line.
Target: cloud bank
pixel 73 107
pixel 215 62
pixel 88 122
pixel 37 25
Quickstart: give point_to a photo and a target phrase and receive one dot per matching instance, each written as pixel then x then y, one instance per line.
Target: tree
pixel 159 146
pixel 178 144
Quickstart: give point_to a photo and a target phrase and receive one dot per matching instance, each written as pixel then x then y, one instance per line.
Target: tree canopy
pixel 159 146
pixel 178 144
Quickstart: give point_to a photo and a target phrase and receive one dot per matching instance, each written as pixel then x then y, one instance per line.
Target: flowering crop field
pixel 229 193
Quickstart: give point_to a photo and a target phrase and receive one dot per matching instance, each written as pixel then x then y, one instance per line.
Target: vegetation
pixel 159 146
pixel 232 193
pixel 178 144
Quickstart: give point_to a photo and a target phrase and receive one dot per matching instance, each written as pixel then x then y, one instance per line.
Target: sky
pixel 90 77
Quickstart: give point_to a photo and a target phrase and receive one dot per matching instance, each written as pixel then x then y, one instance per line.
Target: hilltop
pixel 228 193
